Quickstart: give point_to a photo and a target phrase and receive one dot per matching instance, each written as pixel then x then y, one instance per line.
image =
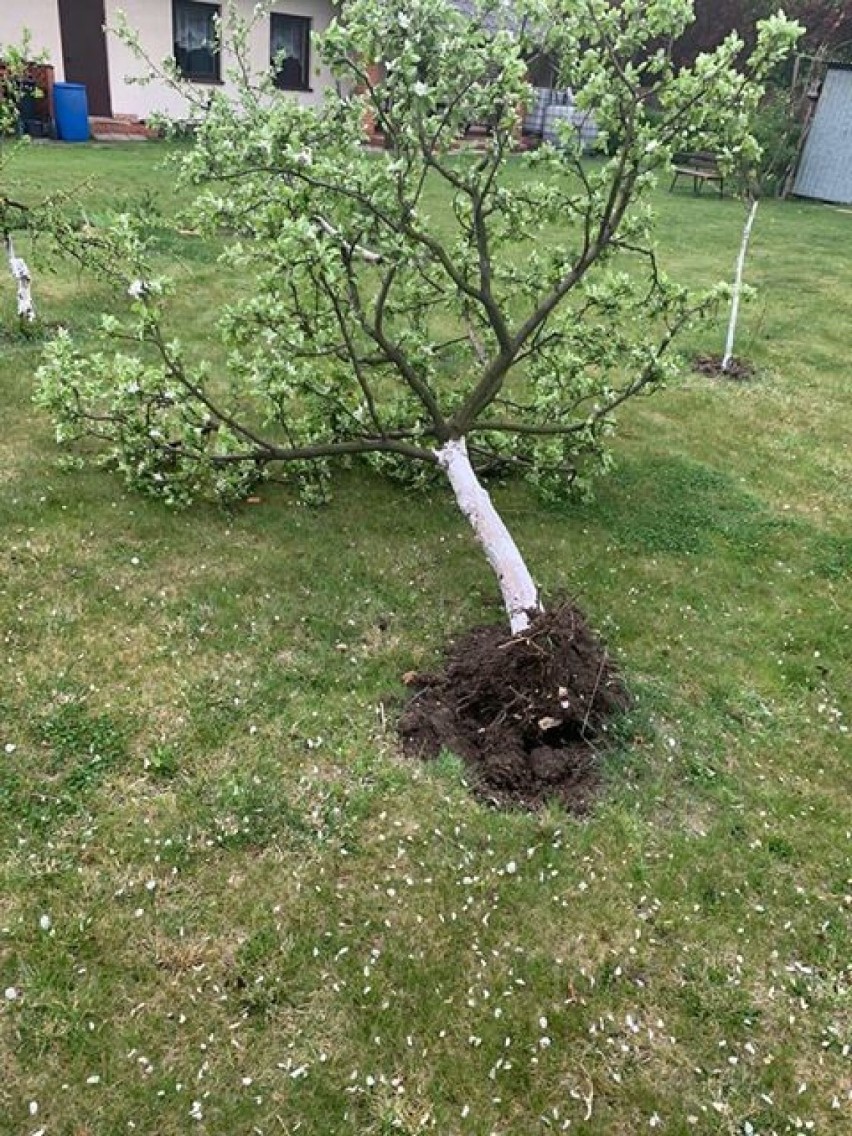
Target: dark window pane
pixel 196 50
pixel 290 45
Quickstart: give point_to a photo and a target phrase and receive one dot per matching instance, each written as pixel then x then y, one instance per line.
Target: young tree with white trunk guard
pixel 752 202
pixel 363 326
pixel 13 214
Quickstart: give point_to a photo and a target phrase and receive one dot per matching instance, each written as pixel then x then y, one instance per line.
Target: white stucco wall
pixel 152 19
pixel 41 18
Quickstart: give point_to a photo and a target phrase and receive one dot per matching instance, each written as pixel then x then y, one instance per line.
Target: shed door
pixel 84 51
pixel 826 168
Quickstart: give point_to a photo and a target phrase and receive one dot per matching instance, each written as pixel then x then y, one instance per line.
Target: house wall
pixel 152 19
pixel 41 18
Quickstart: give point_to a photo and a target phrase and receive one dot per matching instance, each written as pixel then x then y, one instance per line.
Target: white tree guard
pixel 520 595
pixel 21 276
pixel 364 253
pixel 738 286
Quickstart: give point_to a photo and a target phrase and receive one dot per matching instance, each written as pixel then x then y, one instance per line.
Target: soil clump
pixel 528 713
pixel 738 370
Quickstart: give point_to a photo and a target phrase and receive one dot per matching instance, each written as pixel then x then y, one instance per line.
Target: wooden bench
pixel 701 166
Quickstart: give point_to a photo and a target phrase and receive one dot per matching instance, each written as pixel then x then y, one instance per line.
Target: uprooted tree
pixel 367 322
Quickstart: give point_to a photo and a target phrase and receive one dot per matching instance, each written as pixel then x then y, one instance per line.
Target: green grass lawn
pixel 228 906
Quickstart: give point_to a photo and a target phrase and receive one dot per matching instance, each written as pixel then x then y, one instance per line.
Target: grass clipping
pixel 527 713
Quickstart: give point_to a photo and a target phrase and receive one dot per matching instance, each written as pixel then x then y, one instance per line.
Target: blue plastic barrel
pixel 71 105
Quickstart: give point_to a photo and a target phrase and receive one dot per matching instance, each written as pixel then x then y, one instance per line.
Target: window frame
pixel 214 11
pixel 305 24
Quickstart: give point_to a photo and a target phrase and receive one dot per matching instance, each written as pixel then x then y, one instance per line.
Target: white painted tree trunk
pixel 738 286
pixel 520 595
pixel 21 276
pixel 364 253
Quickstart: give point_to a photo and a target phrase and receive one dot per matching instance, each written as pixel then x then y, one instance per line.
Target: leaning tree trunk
pixel 21 276
pixel 738 286
pixel 520 595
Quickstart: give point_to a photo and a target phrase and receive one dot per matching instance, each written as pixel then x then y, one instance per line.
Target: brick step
pixel 120 129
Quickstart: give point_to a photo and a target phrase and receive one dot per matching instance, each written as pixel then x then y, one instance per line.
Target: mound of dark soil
pixel 527 713
pixel 738 370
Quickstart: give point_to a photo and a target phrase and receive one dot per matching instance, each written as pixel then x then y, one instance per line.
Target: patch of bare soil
pixel 738 370
pixel 527 713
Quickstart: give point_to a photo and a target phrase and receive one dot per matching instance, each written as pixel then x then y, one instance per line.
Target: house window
pixel 290 45
pixel 196 40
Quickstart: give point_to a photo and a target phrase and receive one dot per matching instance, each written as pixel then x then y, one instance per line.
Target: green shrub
pixel 778 132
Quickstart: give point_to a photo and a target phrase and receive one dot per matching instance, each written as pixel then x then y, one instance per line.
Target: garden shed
pixel 825 171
